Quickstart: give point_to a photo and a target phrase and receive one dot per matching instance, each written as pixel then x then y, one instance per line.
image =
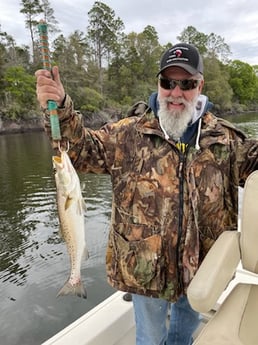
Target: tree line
pixel 104 68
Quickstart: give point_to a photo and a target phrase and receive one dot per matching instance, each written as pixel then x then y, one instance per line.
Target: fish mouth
pixel 57 159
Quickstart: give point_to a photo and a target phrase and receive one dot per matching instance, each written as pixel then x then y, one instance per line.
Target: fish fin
pixel 77 289
pixel 85 254
pixel 84 207
pixel 60 232
pixel 81 206
pixel 68 203
pixel 83 186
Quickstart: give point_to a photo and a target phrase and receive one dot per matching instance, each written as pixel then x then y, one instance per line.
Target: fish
pixel 71 210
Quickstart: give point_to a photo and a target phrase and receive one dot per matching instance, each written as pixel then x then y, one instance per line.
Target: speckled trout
pixel 71 210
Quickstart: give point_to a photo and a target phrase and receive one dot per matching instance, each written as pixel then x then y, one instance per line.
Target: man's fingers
pixel 56 75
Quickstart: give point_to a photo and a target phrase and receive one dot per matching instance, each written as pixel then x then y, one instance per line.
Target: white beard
pixel 175 122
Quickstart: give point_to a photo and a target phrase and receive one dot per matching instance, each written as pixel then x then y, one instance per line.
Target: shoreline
pixel 36 124
pixel 8 126
pixel 93 121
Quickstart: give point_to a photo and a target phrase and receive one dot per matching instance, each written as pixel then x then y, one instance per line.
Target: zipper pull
pixel 180 169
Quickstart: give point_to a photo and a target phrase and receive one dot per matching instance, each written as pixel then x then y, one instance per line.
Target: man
pixel 175 174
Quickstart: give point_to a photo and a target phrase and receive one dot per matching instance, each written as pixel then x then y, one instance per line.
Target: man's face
pixel 177 73
pixel 177 105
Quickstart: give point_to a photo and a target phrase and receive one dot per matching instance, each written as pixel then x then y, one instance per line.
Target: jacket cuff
pixel 64 111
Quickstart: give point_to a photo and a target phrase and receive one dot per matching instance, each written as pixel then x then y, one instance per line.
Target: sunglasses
pixel 185 85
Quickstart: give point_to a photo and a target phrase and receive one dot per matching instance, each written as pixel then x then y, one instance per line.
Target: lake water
pixel 33 260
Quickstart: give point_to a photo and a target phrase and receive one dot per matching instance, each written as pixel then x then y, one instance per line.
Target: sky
pixel 234 20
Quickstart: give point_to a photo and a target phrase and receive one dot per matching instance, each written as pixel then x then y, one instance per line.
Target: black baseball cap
pixel 182 55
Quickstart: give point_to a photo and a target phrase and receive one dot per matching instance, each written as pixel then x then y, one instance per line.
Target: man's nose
pixel 176 92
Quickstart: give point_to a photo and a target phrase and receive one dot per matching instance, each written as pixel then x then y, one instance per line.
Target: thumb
pixel 60 88
pixel 56 75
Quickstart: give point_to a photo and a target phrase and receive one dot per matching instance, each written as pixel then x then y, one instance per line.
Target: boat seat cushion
pixel 249 224
pixel 216 271
pixel 235 323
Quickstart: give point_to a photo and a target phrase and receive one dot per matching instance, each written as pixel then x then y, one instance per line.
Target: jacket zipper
pixel 180 218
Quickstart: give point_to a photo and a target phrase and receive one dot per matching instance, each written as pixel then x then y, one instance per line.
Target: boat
pixel 112 321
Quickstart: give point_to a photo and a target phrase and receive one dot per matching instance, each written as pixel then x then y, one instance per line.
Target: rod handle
pixel 45 56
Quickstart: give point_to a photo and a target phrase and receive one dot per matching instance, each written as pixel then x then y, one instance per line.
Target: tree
pixel 255 67
pixel 19 96
pixel 2 63
pixel 13 54
pixel 126 75
pixel 133 76
pixel 49 17
pixel 192 36
pixel 217 47
pixel 212 44
pixel 150 51
pixel 104 31
pixel 31 9
pixel 70 54
pixel 243 81
pixel 216 85
pixel 117 68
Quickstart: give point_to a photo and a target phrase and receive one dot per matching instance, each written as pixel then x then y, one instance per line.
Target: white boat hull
pixel 110 322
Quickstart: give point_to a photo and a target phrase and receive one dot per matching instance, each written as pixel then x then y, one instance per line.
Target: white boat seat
pixel 235 321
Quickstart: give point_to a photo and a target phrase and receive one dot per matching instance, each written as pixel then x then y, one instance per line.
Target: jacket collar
pixel 211 129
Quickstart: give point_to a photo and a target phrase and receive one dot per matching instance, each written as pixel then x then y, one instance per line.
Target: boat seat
pixel 235 320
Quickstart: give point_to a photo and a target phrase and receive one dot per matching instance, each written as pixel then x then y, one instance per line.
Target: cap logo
pixel 178 53
pixel 182 55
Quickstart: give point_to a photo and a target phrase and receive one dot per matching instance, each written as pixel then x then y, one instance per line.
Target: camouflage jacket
pixel 169 205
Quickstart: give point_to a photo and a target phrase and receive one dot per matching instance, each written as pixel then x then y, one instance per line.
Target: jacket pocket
pixel 138 261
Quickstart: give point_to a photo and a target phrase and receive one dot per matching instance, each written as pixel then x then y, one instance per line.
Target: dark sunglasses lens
pixel 165 83
pixel 186 84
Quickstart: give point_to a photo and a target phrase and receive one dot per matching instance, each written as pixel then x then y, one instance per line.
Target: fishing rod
pixel 45 56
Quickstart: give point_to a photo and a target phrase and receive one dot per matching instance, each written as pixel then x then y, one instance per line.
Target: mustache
pixel 171 99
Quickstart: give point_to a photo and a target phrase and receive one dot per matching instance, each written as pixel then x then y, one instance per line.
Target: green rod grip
pixel 45 56
pixel 54 120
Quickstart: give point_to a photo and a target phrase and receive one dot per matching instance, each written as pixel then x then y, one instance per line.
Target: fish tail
pixel 76 289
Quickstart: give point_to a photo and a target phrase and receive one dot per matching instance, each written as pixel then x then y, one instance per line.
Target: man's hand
pixel 49 87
